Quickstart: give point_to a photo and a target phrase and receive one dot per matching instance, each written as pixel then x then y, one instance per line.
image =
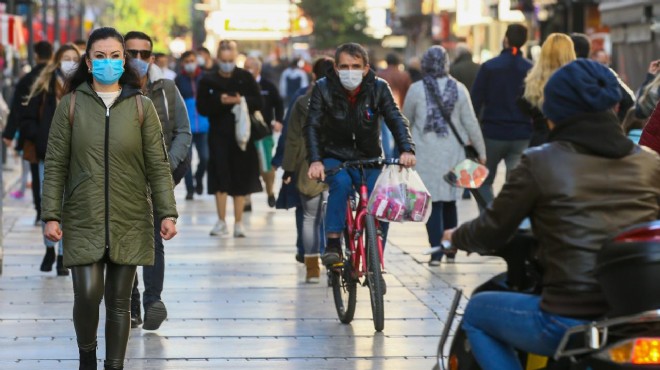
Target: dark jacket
pixel 279 150
pixel 188 86
pixel 273 108
pixel 38 115
pixel 14 122
pixel 494 96
pixel 104 176
pixel 464 69
pixel 540 130
pixel 651 134
pixel 335 129
pixel 576 200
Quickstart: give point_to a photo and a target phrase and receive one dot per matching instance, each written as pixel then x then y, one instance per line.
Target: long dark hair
pixel 82 75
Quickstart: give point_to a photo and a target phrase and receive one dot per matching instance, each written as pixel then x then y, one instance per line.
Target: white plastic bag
pixel 242 118
pixel 400 196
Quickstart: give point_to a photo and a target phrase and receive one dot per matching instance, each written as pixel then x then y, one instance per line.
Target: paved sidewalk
pixel 238 303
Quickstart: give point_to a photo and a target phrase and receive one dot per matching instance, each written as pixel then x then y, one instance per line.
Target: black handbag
pixel 259 129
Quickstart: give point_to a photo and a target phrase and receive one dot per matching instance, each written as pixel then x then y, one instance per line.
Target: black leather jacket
pixel 576 202
pixel 334 129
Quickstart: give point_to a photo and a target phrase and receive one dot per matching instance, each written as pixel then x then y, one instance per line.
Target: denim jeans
pixel 48 243
pixel 341 186
pixel 201 143
pixel 153 276
pixel 498 322
pixel 443 216
pixel 496 151
pixel 389 145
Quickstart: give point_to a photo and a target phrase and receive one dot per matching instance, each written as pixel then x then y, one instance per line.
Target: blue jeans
pixel 443 216
pixel 153 276
pixel 389 145
pixel 498 322
pixel 48 243
pixel 201 143
pixel 342 185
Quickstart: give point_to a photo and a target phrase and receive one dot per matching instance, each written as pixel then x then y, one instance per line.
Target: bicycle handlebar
pixel 362 163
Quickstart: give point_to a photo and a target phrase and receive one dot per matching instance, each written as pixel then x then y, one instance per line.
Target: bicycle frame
pixel 355 225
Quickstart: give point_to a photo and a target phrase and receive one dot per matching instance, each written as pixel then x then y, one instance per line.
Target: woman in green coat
pixel 105 164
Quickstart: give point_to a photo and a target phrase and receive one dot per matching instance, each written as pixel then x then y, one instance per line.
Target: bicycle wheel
pixel 374 275
pixel 344 289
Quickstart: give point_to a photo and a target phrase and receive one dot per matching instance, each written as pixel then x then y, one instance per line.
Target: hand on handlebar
pixel 407 160
pixel 316 171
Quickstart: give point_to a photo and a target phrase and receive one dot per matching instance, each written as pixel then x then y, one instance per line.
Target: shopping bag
pixel 467 174
pixel 388 198
pixel 419 203
pixel 242 119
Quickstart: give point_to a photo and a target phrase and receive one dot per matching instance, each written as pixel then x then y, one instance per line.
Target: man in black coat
pixel 44 52
pixel 273 112
pixel 342 125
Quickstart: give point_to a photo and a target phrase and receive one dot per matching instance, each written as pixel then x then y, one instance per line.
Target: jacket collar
pixel 126 91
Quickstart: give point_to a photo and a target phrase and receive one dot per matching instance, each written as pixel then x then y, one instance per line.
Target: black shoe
pixel 189 196
pixel 136 316
pixel 49 259
pixel 108 367
pixel 61 270
pixel 271 201
pixel 199 189
pixel 300 258
pixel 247 208
pixel 154 315
pixel 87 360
pixel 331 257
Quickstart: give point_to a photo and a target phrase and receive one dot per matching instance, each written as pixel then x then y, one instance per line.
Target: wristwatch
pixel 173 219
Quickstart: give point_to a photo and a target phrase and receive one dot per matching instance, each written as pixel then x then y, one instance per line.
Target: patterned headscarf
pixel 435 64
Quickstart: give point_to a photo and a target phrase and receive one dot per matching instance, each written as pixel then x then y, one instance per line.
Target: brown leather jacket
pixel 575 201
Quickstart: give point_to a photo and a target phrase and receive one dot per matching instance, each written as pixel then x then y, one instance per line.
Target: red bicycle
pixel 363 252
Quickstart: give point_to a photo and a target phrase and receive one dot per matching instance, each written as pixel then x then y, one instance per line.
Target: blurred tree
pixel 336 22
pixel 162 20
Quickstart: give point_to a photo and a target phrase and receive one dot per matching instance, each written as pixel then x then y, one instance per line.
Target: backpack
pixel 72 108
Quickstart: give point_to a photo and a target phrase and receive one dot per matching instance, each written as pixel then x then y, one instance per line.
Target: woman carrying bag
pixel 105 164
pixel 433 105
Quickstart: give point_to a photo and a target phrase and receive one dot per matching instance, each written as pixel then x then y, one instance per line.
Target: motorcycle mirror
pixel 468 174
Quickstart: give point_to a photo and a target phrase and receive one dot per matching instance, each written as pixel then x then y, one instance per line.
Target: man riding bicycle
pixel 342 125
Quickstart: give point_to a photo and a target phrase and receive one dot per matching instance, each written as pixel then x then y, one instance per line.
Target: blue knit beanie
pixel 582 86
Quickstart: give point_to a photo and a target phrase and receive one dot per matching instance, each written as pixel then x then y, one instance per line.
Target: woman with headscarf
pixel 438 150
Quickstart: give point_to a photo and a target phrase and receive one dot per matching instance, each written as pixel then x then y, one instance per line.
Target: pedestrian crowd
pixel 107 129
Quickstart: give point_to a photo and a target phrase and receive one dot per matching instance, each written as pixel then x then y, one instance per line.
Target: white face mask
pixel 201 61
pixel 350 79
pixel 68 67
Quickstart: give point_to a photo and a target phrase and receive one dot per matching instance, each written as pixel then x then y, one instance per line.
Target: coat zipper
pixel 107 178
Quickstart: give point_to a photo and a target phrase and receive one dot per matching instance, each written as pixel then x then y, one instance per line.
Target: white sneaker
pixel 238 231
pixel 220 228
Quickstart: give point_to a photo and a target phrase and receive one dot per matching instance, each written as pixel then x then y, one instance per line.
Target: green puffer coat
pixel 101 176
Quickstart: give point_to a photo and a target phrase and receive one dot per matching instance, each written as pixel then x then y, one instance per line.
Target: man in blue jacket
pixel 187 81
pixel 498 86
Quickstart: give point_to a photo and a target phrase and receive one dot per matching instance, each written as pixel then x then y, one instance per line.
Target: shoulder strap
pixel 72 107
pixel 447 118
pixel 140 108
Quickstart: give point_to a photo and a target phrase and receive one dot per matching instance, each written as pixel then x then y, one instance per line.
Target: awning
pixel 623 12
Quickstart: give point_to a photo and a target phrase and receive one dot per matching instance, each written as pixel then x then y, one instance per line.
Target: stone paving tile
pixel 238 303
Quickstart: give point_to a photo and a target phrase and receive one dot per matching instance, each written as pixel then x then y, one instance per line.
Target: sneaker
pixel 19 194
pixel 331 257
pixel 238 231
pixel 199 188
pixel 189 196
pixel 154 315
pixel 220 228
pixel 271 201
pixel 451 258
pixel 136 316
pixel 434 262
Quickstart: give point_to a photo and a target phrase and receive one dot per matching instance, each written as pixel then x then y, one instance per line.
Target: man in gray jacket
pixel 173 116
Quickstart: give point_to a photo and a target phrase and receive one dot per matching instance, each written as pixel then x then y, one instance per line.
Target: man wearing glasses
pixel 173 116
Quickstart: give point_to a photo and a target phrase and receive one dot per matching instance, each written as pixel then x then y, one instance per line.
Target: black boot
pixel 49 259
pixel 110 367
pixel 61 270
pixel 87 360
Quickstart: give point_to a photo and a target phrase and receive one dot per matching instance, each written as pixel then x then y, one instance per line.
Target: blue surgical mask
pixel 140 66
pixel 107 71
pixel 227 67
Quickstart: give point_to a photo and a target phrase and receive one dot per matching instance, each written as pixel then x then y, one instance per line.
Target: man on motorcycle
pixel 583 187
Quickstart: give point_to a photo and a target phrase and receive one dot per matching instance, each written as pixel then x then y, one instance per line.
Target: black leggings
pixel 88 289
